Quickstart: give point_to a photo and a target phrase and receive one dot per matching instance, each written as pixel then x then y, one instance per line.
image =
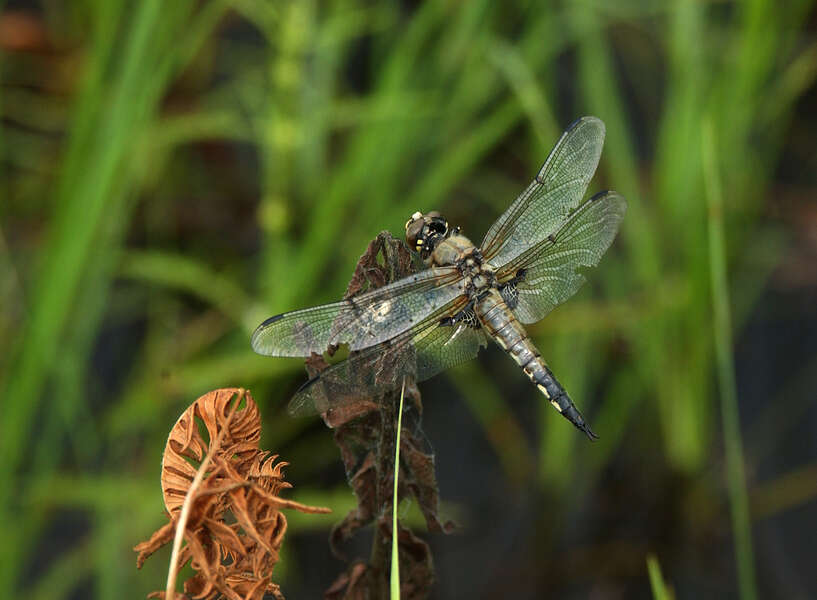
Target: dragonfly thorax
pixel 459 251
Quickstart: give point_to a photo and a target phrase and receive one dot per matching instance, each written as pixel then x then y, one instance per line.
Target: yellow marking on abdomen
pixel 544 391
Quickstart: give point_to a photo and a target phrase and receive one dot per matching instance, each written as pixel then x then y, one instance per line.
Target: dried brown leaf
pixel 159 538
pixel 350 585
pixel 209 482
pixel 185 447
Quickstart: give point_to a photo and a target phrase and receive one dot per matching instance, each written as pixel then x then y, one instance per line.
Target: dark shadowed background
pixel 175 172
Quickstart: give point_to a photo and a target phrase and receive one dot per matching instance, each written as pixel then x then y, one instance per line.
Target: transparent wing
pixel 447 346
pixel 361 321
pixel 557 190
pixel 420 353
pixel 550 269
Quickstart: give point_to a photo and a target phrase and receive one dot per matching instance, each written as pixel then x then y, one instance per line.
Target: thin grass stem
pixel 394 586
pixel 660 590
pixel 736 476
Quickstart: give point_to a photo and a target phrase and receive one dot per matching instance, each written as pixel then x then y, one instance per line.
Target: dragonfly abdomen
pixel 508 332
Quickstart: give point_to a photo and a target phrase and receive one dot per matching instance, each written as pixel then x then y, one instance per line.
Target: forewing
pixel 550 269
pixel 361 321
pixel 419 353
pixel 557 190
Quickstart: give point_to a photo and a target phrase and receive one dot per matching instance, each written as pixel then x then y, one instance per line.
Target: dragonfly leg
pixel 508 290
pixel 466 317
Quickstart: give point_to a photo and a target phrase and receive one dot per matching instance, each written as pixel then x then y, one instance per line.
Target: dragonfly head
pixel 425 231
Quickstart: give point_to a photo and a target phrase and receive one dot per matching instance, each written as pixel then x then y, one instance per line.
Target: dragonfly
pixel 531 260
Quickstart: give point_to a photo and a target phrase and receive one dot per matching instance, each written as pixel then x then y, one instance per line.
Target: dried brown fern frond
pixel 221 496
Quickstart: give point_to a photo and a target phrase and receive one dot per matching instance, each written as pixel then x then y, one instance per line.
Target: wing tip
pixel 295 408
pixel 571 129
pixel 608 195
pixel 255 341
pixel 303 404
pixel 587 119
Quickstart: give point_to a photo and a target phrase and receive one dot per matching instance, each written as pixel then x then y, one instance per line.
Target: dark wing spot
pixel 308 384
pixel 271 320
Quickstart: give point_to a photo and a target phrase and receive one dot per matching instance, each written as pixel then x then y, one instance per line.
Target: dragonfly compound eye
pixel 416 233
pixel 438 224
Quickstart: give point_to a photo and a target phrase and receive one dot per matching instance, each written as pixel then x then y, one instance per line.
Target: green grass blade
pixel 660 590
pixel 66 573
pixel 117 98
pixel 189 275
pixel 394 582
pixel 736 477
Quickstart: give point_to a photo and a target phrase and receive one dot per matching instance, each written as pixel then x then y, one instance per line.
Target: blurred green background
pixel 174 172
